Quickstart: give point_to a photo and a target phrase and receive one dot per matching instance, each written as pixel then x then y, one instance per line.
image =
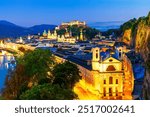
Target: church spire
pixel 81 35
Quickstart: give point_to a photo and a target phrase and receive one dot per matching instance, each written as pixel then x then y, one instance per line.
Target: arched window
pixel 110 68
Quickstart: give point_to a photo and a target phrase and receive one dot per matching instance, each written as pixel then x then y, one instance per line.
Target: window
pixel 97 55
pixel 104 81
pixel 104 91
pixel 110 68
pixel 110 60
pixel 116 91
pixel 110 91
pixel 110 80
pixel 116 81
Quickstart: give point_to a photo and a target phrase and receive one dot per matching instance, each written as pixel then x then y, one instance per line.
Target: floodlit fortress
pixel 75 22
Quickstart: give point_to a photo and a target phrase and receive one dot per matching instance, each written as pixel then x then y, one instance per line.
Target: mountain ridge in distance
pixel 11 30
pixel 104 26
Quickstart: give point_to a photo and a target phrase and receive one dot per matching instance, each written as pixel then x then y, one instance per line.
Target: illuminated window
pixel 116 81
pixel 110 80
pixel 110 68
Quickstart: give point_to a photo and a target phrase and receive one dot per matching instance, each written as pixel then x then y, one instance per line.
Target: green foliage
pixel 61 32
pixel 66 75
pixel 133 24
pixel 75 30
pixel 48 92
pixel 2 98
pixel 90 32
pixel 31 68
pixel 116 32
pixel 37 63
pixel 129 25
pixel 35 77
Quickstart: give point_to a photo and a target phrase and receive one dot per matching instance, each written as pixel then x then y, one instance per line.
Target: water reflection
pixel 6 63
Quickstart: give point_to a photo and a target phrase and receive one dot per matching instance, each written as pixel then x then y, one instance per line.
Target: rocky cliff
pixel 136 33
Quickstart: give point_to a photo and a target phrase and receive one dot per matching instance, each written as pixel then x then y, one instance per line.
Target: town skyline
pixel 29 13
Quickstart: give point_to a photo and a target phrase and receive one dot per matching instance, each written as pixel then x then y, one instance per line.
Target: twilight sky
pixel 32 12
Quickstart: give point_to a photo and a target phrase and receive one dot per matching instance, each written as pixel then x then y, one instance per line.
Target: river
pixel 5 65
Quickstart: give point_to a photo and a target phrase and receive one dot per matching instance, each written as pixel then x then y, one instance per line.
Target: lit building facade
pixel 67 38
pixel 48 35
pixel 75 22
pixel 108 78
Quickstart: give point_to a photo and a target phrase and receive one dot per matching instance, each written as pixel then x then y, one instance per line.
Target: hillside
pixel 136 33
pixel 10 30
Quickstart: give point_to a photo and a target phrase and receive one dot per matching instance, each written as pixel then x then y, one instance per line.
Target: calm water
pixel 5 65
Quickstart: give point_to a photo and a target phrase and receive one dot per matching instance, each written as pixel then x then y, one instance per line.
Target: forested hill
pixel 10 30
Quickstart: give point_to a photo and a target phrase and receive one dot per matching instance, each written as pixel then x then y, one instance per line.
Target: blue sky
pixel 32 12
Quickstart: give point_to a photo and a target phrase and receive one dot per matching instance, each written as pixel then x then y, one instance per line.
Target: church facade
pixel 108 78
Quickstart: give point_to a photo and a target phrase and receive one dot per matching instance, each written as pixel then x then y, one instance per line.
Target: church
pixel 48 35
pixel 105 75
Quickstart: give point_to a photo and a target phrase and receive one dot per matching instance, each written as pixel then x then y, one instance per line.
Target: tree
pixel 38 65
pixel 66 75
pixel 32 69
pixel 61 32
pixel 14 82
pixel 90 32
pixel 48 92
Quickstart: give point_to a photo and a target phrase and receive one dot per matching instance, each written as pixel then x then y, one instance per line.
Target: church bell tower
pixel 95 58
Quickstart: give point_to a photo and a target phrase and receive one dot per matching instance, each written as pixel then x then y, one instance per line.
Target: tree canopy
pixel 37 64
pixel 66 75
pixel 48 92
pixel 37 76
